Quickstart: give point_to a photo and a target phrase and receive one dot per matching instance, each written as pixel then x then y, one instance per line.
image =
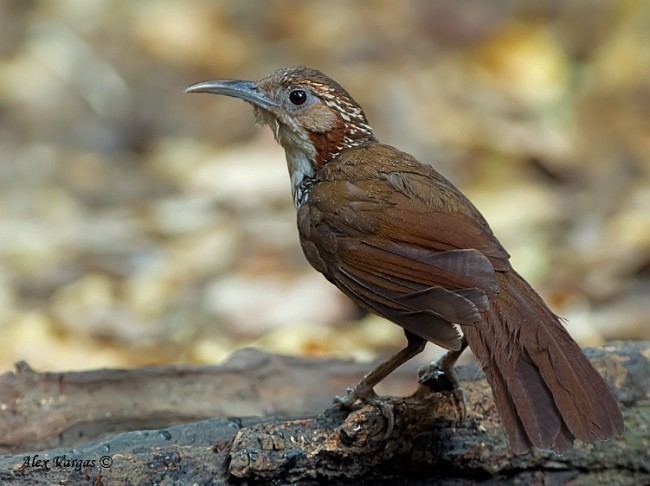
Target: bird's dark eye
pixel 298 96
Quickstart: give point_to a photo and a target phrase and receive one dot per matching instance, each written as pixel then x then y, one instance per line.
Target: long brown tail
pixel 546 391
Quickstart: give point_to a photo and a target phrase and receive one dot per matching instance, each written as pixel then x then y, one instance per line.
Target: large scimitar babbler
pixel 401 241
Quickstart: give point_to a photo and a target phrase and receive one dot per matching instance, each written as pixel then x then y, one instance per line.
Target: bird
pixel 403 242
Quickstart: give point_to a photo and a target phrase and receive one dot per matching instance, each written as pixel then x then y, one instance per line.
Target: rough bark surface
pixel 431 440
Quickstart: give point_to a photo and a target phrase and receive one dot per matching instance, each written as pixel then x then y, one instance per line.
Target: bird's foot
pixel 363 395
pixel 437 378
pixel 353 395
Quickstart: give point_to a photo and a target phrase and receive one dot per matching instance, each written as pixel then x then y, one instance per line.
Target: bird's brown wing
pixel 422 261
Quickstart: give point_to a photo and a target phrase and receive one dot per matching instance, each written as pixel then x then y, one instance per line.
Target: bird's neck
pixel 301 158
pixel 307 152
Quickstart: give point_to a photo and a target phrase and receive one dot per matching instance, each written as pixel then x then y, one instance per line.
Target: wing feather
pixel 421 262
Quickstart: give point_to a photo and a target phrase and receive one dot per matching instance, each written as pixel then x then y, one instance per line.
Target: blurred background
pixel 139 225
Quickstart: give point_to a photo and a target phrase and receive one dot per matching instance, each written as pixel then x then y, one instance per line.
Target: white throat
pixel 300 154
pixel 300 167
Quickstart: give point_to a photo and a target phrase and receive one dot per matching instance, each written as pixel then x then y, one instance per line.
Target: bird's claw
pixel 444 381
pixel 385 407
pixel 460 397
pixel 349 399
pixel 363 396
pixel 437 378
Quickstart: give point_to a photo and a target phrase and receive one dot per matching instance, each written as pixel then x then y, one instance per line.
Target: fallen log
pixel 45 410
pixel 432 439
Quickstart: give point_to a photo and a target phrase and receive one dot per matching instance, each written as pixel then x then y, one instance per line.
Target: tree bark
pixel 432 440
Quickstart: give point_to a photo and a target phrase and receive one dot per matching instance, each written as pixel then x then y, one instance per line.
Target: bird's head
pixel 310 114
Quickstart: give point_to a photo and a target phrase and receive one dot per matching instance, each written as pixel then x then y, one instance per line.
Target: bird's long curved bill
pixel 245 90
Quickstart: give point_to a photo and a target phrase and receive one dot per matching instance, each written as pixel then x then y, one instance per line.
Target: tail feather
pixel 519 441
pixel 545 389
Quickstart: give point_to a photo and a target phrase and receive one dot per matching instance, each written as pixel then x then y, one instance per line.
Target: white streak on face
pixel 276 132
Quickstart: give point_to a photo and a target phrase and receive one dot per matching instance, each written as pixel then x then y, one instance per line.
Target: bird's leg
pixel 440 375
pixel 364 390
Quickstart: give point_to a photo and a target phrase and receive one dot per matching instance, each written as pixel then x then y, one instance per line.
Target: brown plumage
pixel 401 241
